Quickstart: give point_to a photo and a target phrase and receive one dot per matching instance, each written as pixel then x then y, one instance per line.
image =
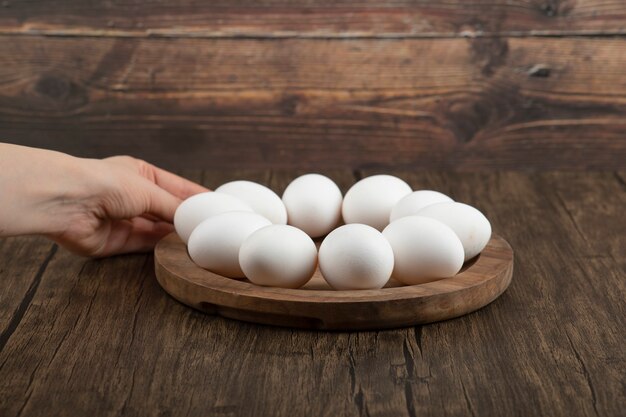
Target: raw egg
pixel 215 243
pixel 469 224
pixel 260 198
pixel 197 208
pixel 356 257
pixel 371 200
pixel 424 250
pixel 313 204
pixel 416 201
pixel 278 256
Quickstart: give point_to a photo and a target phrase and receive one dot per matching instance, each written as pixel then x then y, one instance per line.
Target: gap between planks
pixel 18 314
pixel 351 35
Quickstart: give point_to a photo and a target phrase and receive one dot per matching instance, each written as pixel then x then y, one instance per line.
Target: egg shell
pixel 197 208
pixel 416 201
pixel 260 198
pixel 278 256
pixel 371 200
pixel 469 224
pixel 313 204
pixel 424 250
pixel 356 257
pixel 215 243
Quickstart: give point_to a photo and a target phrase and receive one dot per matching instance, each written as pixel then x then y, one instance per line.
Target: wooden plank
pixel 82 320
pixel 473 104
pixel 319 18
pixel 553 340
pixel 22 264
pixel 101 338
pixel 592 203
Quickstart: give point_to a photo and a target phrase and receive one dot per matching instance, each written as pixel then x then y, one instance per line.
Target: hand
pixel 92 207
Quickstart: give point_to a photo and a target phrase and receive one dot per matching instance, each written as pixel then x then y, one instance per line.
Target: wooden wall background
pixel 461 84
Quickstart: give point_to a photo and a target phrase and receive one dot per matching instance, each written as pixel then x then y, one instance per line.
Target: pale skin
pixel 93 207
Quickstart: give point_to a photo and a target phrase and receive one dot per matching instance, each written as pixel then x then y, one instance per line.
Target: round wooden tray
pixel 317 306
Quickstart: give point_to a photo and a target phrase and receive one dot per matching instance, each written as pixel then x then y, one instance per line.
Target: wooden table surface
pixel 100 337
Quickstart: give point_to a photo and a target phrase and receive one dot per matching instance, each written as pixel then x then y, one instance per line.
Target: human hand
pixel 92 207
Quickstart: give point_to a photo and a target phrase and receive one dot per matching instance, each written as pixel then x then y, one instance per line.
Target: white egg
pixel 278 256
pixel 199 207
pixel 424 249
pixel 215 243
pixel 371 200
pixel 416 201
pixel 262 200
pixel 469 224
pixel 356 257
pixel 313 204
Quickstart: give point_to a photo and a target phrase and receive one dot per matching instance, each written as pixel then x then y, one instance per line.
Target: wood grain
pixel 319 18
pixel 20 276
pixel 562 284
pixel 317 306
pixel 487 103
pixel 101 338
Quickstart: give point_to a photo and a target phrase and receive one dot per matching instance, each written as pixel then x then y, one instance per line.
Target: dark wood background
pixel 461 84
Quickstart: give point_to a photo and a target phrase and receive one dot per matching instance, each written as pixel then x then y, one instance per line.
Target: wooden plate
pixel 317 306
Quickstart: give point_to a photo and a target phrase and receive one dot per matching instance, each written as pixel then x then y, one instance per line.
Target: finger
pixel 150 217
pixel 172 183
pixel 134 235
pixel 178 186
pixel 159 202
